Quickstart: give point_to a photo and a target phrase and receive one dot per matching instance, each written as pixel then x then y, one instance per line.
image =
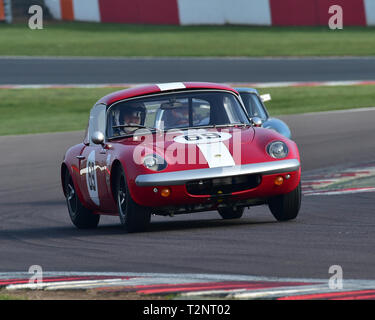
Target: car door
pixel 93 160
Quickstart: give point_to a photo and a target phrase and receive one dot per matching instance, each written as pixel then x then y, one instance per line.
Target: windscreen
pixel 176 110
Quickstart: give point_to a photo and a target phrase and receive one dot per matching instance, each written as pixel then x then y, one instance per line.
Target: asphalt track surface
pixel 331 230
pixel 149 70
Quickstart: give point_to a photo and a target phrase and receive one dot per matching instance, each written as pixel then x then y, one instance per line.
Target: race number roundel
pixel 202 136
pixel 91 178
pixel 211 145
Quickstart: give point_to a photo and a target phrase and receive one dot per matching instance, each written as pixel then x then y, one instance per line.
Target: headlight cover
pixel 154 162
pixel 278 149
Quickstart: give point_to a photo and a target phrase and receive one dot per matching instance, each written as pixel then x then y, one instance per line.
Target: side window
pixel 253 105
pixel 97 120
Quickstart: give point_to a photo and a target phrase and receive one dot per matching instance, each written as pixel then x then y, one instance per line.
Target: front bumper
pixel 182 177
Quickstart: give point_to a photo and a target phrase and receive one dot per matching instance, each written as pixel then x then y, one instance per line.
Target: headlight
pixel 277 149
pixel 154 162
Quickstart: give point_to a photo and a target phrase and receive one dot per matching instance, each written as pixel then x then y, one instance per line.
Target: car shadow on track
pixel 160 226
pixel 116 230
pixel 34 204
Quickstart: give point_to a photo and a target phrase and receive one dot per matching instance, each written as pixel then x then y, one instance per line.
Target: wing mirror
pixel 256 121
pixel 97 137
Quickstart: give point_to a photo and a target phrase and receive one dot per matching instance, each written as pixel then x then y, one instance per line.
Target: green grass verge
pixel 92 39
pixel 11 297
pixel 26 111
pixel 294 100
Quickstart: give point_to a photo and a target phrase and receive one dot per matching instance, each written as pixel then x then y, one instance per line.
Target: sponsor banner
pixel 213 12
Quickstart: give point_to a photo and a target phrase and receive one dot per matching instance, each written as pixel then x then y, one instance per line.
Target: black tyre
pixel 286 207
pixel 133 217
pixel 81 217
pixel 231 213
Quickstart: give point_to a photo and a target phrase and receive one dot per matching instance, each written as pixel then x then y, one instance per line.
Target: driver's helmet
pixel 133 110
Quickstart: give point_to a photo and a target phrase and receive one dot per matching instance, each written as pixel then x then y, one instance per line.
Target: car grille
pixel 222 186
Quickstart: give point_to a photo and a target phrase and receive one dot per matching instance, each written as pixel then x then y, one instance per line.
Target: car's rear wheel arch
pixel 65 172
pixel 82 217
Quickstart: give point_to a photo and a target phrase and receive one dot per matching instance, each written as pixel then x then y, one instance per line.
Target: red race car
pixel 176 148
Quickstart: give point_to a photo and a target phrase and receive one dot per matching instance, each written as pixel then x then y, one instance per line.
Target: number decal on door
pixel 91 175
pixel 92 179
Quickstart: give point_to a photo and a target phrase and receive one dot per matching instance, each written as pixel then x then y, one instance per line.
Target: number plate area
pixel 223 186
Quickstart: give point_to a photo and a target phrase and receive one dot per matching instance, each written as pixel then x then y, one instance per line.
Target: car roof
pixel 161 87
pixel 249 90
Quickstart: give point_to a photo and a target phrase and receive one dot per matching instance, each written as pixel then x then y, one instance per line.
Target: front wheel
pixel 286 207
pixel 81 217
pixel 133 217
pixel 231 213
